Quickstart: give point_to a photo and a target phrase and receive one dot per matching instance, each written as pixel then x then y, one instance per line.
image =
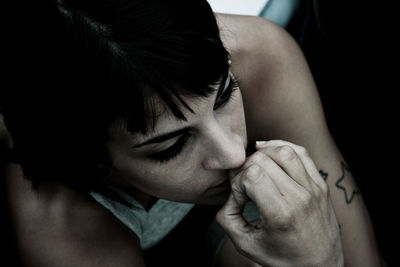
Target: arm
pixel 57 227
pixel 284 104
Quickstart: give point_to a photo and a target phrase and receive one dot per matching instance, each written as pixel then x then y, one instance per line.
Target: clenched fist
pixel 297 225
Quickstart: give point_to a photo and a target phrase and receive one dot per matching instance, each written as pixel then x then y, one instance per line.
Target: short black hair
pixel 95 62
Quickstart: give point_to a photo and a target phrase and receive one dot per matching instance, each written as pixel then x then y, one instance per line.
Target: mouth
pixel 219 193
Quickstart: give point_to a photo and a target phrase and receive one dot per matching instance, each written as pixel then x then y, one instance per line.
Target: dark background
pixel 352 53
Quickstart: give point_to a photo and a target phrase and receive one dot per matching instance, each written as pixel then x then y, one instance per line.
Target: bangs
pixel 157 97
pixel 139 56
pixel 193 68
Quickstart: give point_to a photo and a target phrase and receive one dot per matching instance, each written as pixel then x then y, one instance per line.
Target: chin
pixel 215 200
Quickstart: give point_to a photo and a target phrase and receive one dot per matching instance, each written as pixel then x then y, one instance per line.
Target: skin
pixel 266 88
pixel 294 205
pixel 217 144
pixel 277 76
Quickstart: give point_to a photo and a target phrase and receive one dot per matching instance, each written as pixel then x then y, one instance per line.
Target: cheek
pixel 183 181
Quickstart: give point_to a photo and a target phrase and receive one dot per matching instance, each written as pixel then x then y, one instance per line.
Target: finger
pixel 255 182
pixel 287 186
pixel 288 159
pixel 308 163
pixel 231 219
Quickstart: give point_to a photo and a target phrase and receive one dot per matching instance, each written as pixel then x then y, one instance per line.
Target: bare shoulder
pixel 56 226
pixel 276 83
pixel 255 43
pixel 236 29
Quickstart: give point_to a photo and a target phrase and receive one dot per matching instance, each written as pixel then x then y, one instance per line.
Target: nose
pixel 225 150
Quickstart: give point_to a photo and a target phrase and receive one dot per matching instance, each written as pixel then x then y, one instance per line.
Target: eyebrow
pixel 166 136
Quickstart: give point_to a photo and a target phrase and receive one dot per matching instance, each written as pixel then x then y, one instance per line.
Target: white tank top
pixel 150 226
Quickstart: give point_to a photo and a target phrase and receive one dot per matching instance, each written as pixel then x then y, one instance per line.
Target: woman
pixel 137 112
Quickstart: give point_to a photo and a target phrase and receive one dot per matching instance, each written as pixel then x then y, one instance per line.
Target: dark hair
pixel 100 62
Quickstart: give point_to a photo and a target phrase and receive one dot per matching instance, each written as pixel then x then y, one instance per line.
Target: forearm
pixel 357 235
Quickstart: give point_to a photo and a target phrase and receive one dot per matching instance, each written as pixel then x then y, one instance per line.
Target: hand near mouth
pixel 297 223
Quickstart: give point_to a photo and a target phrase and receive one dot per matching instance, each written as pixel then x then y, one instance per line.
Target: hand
pixel 297 225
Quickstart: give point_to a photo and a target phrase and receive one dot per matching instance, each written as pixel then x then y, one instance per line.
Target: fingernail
pixel 261 143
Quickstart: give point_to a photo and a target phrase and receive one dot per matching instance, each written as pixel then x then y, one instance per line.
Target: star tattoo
pixel 349 192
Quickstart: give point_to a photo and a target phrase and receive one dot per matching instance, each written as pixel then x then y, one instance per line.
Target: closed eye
pixel 226 94
pixel 223 97
pixel 172 151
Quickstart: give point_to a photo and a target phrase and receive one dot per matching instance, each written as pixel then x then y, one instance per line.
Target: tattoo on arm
pixel 349 192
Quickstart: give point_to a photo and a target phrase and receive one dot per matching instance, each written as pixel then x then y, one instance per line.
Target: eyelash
pixel 174 150
pixel 232 86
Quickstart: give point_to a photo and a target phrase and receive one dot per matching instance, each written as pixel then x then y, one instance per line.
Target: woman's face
pixel 186 161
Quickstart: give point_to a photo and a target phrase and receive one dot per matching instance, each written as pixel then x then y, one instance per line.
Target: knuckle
pixel 284 222
pixel 324 188
pixel 302 150
pixel 306 200
pixel 320 189
pixel 258 158
pixel 286 152
pixel 252 175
